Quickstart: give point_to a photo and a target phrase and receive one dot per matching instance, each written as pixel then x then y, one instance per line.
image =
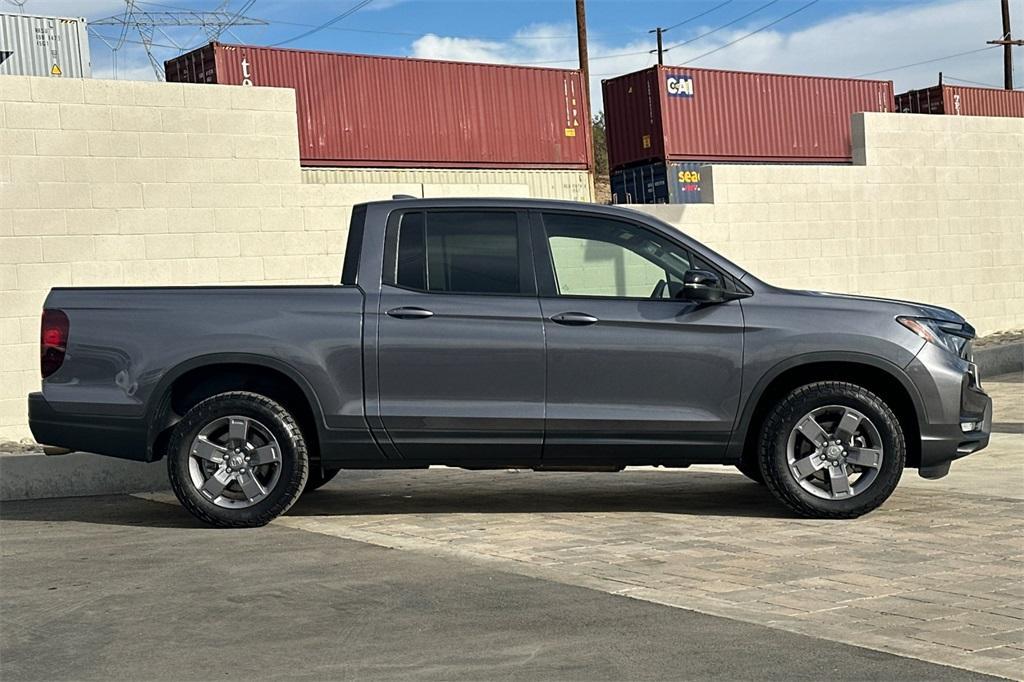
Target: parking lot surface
pixel 452 574
pixel 122 588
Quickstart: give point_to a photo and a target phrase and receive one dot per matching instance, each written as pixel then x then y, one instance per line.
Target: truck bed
pixel 126 343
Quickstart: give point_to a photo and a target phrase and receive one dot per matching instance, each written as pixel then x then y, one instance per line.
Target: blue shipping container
pixel 661 182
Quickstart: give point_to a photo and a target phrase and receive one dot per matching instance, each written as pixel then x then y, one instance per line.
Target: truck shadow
pixel 396 493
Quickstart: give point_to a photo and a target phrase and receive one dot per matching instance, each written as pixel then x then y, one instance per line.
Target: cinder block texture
pixel 934 212
pixel 120 183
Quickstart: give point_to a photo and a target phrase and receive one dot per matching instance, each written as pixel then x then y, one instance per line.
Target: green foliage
pixel 600 147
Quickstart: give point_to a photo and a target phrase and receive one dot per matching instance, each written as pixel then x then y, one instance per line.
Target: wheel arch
pixel 884 378
pixel 188 383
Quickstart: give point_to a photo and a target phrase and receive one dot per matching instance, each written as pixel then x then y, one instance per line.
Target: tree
pixel 600 147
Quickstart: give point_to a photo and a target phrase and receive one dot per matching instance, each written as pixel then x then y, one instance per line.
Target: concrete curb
pixel 35 476
pixel 1002 359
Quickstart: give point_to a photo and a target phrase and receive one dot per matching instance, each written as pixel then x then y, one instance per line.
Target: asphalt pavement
pixel 119 588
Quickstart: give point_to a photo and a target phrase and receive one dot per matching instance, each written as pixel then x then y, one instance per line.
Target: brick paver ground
pixel 933 575
pixel 937 573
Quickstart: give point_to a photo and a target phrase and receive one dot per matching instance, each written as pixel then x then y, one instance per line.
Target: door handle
pixel 574 319
pixel 410 313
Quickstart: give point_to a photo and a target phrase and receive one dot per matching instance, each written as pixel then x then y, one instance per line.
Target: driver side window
pixel 600 257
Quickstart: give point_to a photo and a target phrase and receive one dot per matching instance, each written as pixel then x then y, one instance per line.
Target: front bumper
pixel 115 436
pixel 953 396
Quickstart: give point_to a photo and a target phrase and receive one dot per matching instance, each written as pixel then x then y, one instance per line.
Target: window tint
pixel 600 257
pixel 459 252
pixel 412 261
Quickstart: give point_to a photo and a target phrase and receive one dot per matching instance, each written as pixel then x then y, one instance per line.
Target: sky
pixel 883 39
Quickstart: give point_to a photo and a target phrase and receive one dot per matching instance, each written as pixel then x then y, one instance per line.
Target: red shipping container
pixel 362 110
pixel 959 100
pixel 680 113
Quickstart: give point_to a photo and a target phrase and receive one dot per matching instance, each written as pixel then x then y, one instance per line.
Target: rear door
pixel 634 376
pixel 460 339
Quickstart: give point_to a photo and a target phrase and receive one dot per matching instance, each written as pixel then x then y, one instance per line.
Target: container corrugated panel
pixel 362 110
pixel 33 45
pixel 682 113
pixel 571 185
pixel 959 100
pixel 661 182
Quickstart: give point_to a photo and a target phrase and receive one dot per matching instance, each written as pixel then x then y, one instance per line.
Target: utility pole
pixel 1008 43
pixel 581 36
pixel 661 51
pixel 148 24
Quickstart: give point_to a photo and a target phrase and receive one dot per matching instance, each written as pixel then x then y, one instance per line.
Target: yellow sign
pixel 570 132
pixel 646 141
pixel 55 70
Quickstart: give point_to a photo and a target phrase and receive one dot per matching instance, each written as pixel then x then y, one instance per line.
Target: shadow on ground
pixel 441 492
pixel 524 492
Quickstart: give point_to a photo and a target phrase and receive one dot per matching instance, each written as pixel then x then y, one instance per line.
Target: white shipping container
pixel 571 185
pixel 44 46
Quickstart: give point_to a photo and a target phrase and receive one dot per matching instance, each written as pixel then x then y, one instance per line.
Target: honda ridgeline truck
pixel 492 334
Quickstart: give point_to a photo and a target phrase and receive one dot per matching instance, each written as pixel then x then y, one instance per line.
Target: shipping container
pixel 661 182
pixel 44 46
pixel 570 185
pixel 959 100
pixel 680 113
pixel 363 110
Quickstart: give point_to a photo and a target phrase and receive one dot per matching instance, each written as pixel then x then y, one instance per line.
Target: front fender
pixel 750 400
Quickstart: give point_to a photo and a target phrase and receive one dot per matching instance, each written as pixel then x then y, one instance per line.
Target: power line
pixel 754 32
pixel 412 34
pixel 93 32
pixel 696 16
pixel 327 24
pixel 926 61
pixel 716 30
pixel 964 80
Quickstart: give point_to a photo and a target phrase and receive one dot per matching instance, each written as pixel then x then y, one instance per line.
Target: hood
pixel 898 307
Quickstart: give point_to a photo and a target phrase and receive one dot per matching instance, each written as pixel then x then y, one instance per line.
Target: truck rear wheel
pixel 832 449
pixel 237 460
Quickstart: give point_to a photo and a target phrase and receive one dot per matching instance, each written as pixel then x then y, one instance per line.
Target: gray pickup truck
pixel 509 333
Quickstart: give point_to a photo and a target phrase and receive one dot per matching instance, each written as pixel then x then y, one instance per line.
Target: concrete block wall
pixel 132 183
pixel 932 211
pixel 123 183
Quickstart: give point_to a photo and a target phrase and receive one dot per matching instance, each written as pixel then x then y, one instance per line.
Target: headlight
pixel 953 336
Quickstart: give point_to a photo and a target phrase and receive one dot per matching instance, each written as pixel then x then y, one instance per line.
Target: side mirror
pixel 702 286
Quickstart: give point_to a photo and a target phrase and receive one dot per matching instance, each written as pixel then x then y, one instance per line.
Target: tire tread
pixel 204 412
pixel 785 411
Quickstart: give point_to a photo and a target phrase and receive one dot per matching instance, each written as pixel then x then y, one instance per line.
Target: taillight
pixel 53 341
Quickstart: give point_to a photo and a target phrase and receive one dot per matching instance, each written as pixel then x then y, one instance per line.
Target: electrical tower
pixel 147 25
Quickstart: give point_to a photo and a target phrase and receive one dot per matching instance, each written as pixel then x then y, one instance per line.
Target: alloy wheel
pixel 834 452
pixel 234 462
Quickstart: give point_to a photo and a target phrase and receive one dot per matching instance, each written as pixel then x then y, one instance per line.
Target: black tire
pixel 752 471
pixel 294 460
pixel 319 477
pixel 783 419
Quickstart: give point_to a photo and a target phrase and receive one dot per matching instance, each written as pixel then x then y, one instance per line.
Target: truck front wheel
pixel 832 449
pixel 237 460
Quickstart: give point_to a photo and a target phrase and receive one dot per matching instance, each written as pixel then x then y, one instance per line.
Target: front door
pixel 634 375
pixel 460 339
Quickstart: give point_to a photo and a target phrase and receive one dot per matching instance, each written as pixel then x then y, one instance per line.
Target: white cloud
pixel 92 9
pixel 132 71
pixel 847 45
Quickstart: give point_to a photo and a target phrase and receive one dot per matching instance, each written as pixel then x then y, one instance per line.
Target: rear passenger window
pixel 459 252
